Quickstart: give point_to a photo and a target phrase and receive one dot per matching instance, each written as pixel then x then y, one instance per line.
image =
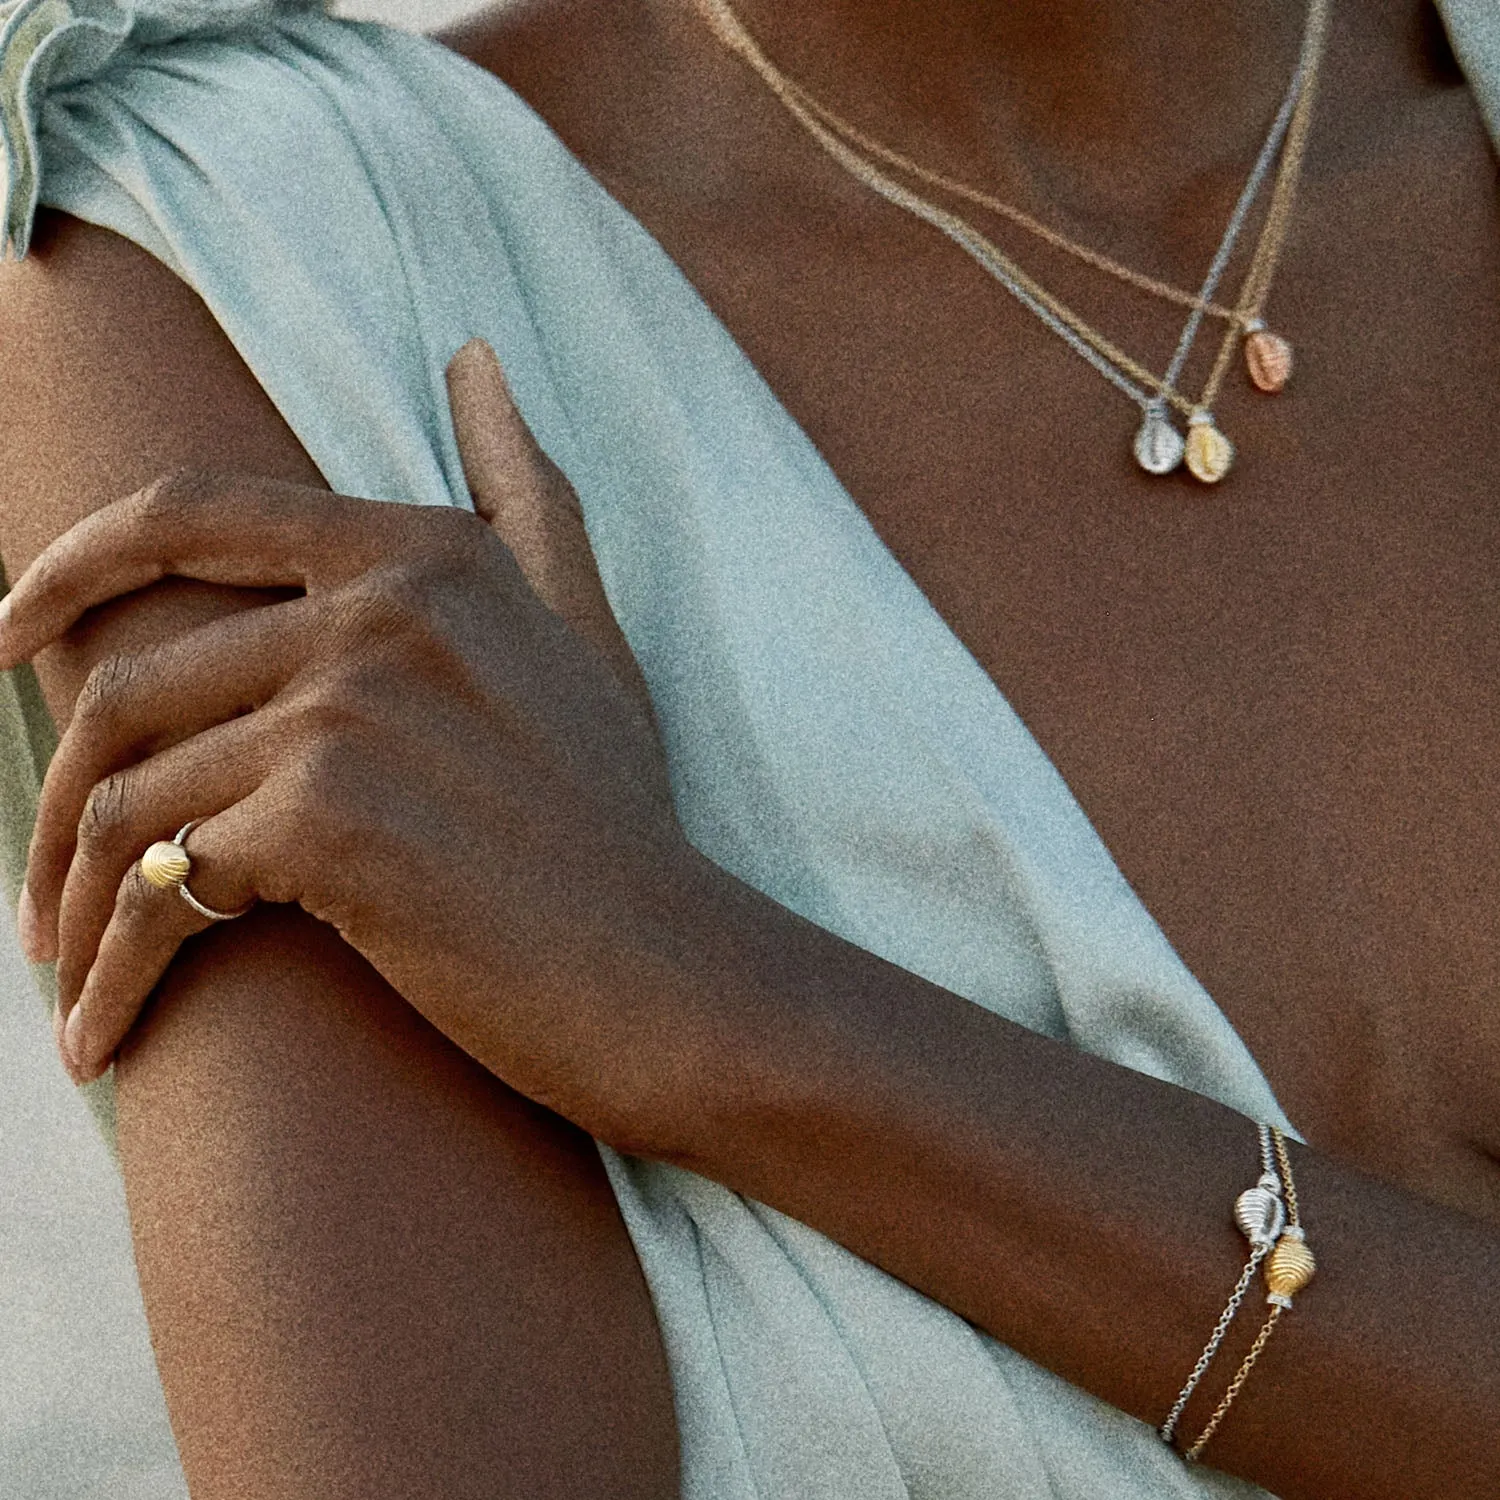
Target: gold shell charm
pixel 1158 444
pixel 166 865
pixel 1290 1267
pixel 1260 1215
pixel 1268 357
pixel 1210 454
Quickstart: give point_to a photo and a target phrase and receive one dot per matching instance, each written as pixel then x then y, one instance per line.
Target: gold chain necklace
pixel 1158 446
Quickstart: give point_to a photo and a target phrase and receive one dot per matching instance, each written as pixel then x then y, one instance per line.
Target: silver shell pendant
pixel 1260 1215
pixel 1158 444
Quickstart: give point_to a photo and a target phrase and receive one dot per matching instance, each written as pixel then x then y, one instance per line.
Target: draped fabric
pixel 353 204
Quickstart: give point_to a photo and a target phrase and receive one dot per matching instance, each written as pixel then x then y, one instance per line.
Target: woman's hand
pixel 414 747
pixel 419 751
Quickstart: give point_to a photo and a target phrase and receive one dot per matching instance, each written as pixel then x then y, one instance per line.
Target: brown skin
pixel 1276 700
pixel 362 1256
pixel 1218 737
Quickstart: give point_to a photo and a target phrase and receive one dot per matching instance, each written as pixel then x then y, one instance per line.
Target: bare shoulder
pixel 113 373
pixel 528 37
pixel 604 74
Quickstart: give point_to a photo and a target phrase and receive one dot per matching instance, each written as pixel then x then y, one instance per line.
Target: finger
pixel 227 529
pixel 503 462
pixel 131 810
pixel 146 927
pixel 528 501
pixel 133 707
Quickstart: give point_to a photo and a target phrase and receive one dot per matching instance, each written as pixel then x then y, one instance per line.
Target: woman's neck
pixel 1128 123
pixel 1102 109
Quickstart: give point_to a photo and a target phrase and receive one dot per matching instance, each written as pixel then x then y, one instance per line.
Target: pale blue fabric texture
pixel 353 204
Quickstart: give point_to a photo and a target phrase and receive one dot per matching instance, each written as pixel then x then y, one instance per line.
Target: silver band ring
pixel 167 865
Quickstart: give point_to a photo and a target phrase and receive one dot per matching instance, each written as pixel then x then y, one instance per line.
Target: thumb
pixel 533 509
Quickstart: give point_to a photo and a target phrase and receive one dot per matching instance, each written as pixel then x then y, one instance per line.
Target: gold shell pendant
pixel 1158 444
pixel 1290 1267
pixel 1268 357
pixel 166 865
pixel 1210 455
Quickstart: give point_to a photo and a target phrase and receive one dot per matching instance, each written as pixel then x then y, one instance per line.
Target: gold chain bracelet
pixel 1269 1216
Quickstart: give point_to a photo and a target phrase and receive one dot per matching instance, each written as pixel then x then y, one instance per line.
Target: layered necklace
pixel 1160 444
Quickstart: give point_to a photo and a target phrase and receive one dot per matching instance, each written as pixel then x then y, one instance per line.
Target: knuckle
pixel 312 806
pixel 141 915
pixel 329 714
pixel 355 694
pixel 385 604
pixel 404 601
pixel 106 811
pixel 106 685
pixel 392 607
pixel 171 496
pixel 136 897
pixel 312 782
pixel 47 573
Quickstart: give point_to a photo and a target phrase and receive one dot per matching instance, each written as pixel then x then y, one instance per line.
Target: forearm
pixel 1080 1212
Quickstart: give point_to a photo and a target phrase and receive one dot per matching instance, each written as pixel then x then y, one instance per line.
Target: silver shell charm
pixel 1260 1215
pixel 1158 444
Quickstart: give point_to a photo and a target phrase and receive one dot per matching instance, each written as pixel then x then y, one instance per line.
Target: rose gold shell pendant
pixel 1210 455
pixel 1268 357
pixel 1158 444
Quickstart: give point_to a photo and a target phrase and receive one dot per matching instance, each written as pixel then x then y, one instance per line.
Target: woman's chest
pixel 1277 699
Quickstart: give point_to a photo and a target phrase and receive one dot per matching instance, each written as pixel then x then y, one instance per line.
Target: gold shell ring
pixel 167 865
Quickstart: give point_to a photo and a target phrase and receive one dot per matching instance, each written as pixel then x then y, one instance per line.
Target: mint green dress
pixel 353 204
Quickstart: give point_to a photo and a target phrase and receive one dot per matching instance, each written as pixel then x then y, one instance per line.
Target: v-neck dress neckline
pixel 837 584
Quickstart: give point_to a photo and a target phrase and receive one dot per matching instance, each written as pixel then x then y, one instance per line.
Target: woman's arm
pixel 350 1238
pixel 1075 1209
pixel 111 373
pixel 1080 1212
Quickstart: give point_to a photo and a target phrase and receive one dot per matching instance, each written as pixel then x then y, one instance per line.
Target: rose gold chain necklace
pixel 1159 447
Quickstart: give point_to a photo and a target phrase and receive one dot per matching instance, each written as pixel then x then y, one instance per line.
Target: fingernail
pixel 59 1032
pixel 6 659
pixel 36 943
pixel 72 1044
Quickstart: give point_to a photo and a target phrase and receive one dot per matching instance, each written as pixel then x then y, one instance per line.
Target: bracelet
pixel 1260 1214
pixel 1289 1269
pixel 1273 1227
